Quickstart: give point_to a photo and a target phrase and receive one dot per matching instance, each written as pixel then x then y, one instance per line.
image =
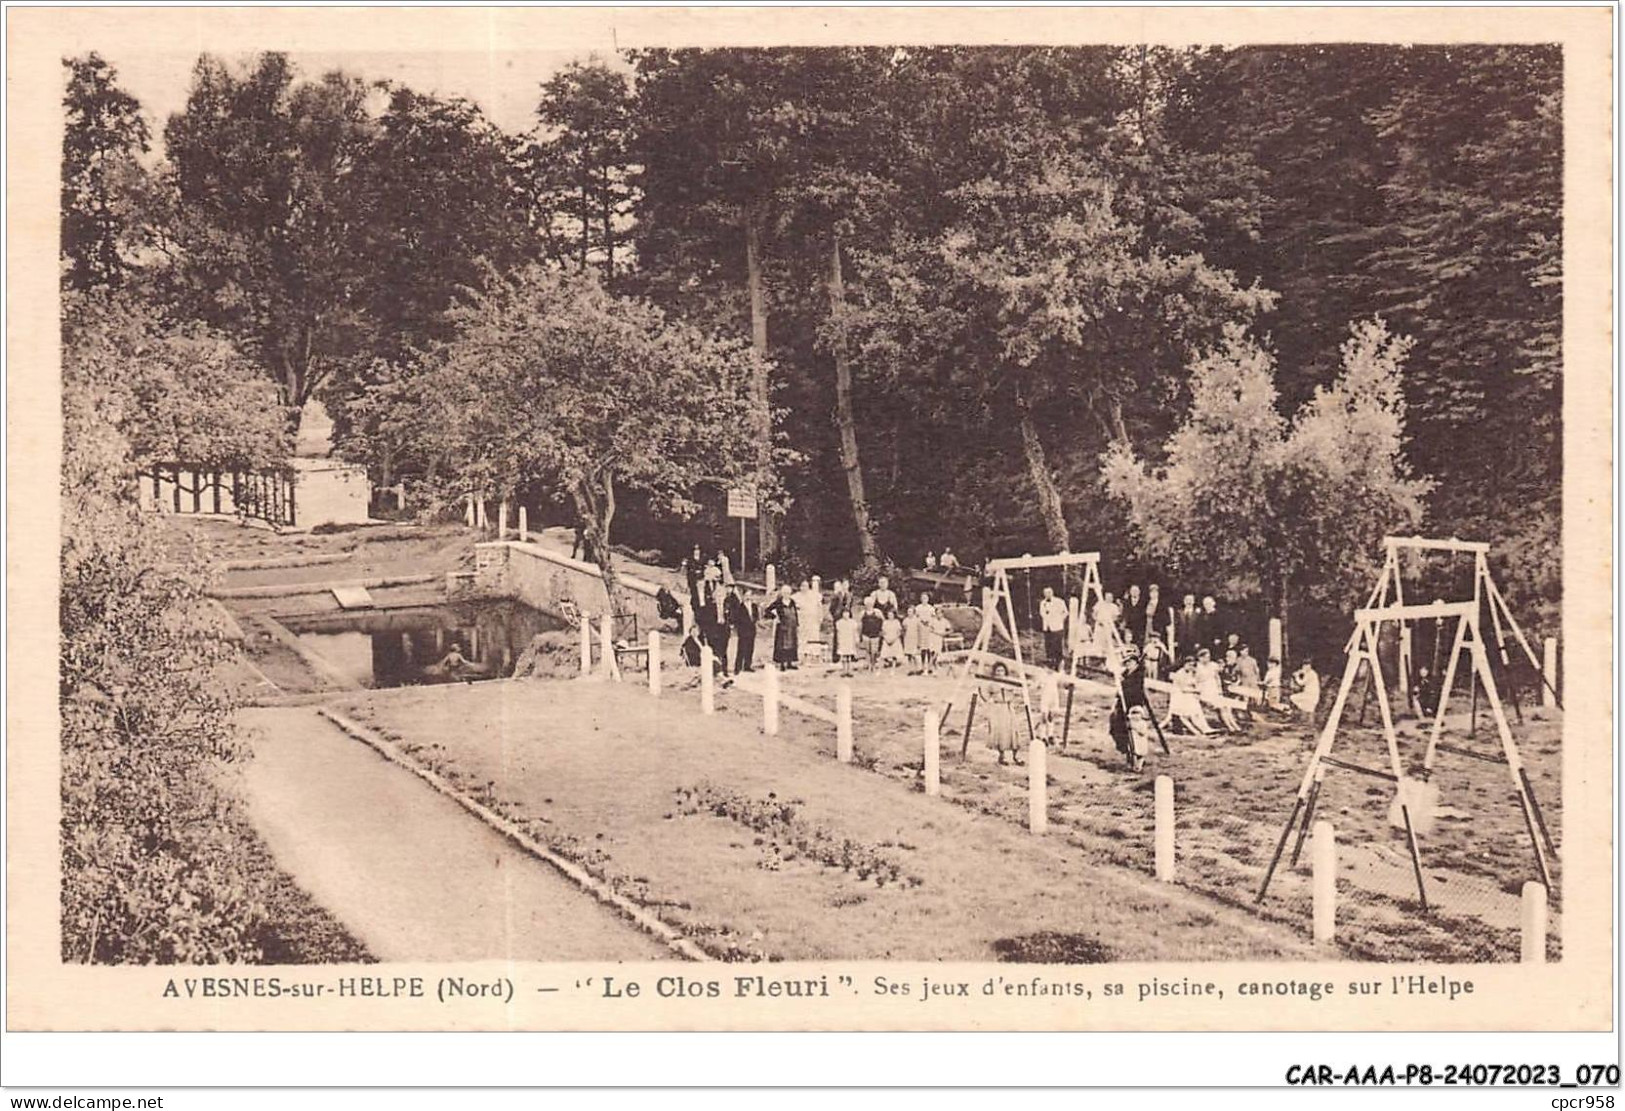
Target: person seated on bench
pixel 1210 688
pixel 1184 707
pixel 1305 690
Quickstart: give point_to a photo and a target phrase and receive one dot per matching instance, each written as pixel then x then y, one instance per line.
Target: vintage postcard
pixel 810 519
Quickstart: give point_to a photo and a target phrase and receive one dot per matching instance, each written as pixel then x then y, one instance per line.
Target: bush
pixel 157 864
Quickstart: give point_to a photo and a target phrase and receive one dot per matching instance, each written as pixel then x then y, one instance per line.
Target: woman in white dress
pixel 1183 705
pixel 1107 611
pixel 931 630
pixel 810 610
pixel 1210 688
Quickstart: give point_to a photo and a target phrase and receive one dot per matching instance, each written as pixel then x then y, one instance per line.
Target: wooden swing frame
pixel 999 594
pixel 1389 592
pixel 1363 654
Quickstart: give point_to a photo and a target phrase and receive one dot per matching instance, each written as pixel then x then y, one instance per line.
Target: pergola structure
pixel 1388 605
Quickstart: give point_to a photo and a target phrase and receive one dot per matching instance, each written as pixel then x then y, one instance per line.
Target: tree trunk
pixel 609 232
pixel 595 506
pixel 844 421
pixel 767 531
pixel 1050 506
pixel 1286 627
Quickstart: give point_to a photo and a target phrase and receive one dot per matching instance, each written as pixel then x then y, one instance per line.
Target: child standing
pixel 911 639
pixel 869 630
pixel 846 641
pixel 891 640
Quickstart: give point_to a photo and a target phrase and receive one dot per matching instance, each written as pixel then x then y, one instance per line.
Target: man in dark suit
pixel 713 618
pixel 1134 614
pixel 1186 631
pixel 742 615
pixel 1210 628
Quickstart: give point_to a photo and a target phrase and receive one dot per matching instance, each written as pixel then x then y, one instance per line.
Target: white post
pixel 770 701
pixel 1037 786
pixel 1548 668
pixel 1324 860
pixel 708 697
pixel 524 524
pixel 1534 921
pixel 502 519
pixel 468 512
pixel 933 753
pixel 843 723
pixel 770 584
pixel 1275 640
pixel 606 648
pixel 586 645
pixel 1164 809
pixel 654 655
pixel 480 519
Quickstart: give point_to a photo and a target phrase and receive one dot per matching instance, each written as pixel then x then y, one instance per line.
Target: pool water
pixel 413 646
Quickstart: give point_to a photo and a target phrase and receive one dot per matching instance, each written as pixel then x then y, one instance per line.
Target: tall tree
pixel 1422 184
pixel 1058 270
pixel 1259 505
pixel 554 382
pixel 585 114
pixel 102 178
pixel 273 228
pixel 714 146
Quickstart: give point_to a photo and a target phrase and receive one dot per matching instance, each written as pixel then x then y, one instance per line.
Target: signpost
pixel 742 504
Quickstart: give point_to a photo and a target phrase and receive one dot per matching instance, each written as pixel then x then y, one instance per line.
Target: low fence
pixel 267 496
pixel 304 493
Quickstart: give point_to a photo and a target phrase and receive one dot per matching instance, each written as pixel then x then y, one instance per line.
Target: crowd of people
pixel 1196 646
pixel 880 631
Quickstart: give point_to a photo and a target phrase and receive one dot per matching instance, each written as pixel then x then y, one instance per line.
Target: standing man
pixel 714 625
pixel 1052 617
pixel 884 597
pixel 742 614
pixel 1210 627
pixel 1186 633
pixel 1134 615
pixel 1153 614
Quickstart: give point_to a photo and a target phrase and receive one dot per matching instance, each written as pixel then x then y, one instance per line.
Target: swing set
pixel 1387 605
pixel 999 617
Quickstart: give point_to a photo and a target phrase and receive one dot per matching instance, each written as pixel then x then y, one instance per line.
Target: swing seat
pixel 1422 799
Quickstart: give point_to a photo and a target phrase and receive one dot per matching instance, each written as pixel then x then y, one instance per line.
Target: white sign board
pixel 742 503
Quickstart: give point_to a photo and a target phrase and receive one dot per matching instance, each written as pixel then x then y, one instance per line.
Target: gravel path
pixel 409 872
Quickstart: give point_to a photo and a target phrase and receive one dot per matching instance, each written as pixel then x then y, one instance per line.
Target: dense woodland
pixel 973 281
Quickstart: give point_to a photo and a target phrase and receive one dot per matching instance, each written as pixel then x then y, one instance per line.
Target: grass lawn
pixel 769 849
pixel 1233 797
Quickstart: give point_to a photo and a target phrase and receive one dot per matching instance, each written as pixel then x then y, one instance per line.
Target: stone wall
pixel 544 579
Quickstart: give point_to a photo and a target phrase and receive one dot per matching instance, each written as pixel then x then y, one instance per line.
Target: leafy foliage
pixel 175 394
pixel 102 180
pixel 554 381
pixel 1295 511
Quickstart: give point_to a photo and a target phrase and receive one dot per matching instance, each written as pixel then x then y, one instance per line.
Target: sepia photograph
pixel 1093 512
